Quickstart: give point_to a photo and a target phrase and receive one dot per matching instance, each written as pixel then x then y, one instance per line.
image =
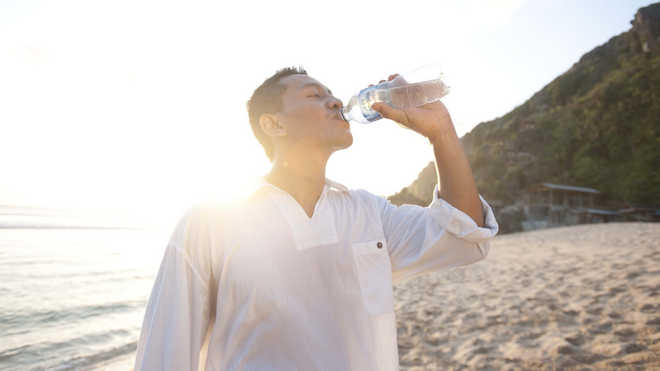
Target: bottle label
pixel 371 95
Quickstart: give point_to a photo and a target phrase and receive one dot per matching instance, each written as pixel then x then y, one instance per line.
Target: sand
pixel 571 298
pixel 574 298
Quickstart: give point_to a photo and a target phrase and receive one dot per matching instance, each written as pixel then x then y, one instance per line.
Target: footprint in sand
pixel 633 275
pixel 575 340
pixel 618 289
pixel 654 322
pixel 625 334
pixel 595 311
pixel 614 315
pixel 587 358
pixel 650 308
pixel 633 348
pixel 472 316
pixel 531 336
pixel 435 339
pixel 566 349
pixel 602 328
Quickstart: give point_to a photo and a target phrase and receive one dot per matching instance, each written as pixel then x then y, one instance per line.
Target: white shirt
pixel 277 290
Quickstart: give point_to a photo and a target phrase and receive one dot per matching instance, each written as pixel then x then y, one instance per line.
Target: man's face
pixel 310 114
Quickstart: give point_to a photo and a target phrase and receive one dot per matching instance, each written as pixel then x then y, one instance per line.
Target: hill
pixel 597 125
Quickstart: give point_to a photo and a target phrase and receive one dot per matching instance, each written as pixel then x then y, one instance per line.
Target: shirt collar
pixel 335 185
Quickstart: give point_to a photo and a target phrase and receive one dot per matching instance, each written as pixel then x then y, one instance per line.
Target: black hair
pixel 267 98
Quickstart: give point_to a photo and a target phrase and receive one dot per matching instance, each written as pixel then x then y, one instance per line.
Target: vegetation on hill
pixel 597 125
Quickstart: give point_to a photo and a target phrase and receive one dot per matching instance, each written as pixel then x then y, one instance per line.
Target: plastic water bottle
pixel 413 89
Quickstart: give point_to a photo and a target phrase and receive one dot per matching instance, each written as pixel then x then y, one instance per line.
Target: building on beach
pixel 552 205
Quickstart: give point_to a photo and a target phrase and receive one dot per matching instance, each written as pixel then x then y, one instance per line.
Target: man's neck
pixel 301 177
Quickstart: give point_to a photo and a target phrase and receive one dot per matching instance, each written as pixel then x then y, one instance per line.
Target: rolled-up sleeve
pixel 180 306
pixel 439 236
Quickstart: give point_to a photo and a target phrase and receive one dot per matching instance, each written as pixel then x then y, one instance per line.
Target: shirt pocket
pixel 374 272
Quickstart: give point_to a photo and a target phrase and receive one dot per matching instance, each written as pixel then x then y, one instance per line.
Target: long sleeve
pixel 439 236
pixel 181 302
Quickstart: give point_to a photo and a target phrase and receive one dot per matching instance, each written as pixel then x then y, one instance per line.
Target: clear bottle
pixel 413 89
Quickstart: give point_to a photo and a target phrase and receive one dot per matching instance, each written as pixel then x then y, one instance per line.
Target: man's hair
pixel 267 98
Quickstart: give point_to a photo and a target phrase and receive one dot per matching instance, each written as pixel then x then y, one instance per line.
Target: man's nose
pixel 335 104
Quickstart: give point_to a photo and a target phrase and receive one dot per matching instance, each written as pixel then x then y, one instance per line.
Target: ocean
pixel 73 296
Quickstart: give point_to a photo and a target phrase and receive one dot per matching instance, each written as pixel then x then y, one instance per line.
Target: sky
pixel 135 106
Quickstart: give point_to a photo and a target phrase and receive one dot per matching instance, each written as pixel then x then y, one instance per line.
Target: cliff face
pixel 647 28
pixel 597 125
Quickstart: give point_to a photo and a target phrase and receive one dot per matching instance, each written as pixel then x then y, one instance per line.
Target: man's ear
pixel 271 125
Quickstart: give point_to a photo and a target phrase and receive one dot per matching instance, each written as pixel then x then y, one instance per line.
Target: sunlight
pixel 119 118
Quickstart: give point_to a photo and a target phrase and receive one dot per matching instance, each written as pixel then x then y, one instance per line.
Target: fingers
pixel 391 113
pixel 389 78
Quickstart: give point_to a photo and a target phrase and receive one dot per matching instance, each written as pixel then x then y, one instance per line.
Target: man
pixel 298 276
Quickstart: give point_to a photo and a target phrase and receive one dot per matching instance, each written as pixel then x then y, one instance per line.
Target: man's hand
pixel 430 120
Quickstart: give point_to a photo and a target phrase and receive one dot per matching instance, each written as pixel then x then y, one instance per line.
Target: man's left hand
pixel 430 120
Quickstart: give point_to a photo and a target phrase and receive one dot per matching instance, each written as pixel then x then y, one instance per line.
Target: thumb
pixel 391 113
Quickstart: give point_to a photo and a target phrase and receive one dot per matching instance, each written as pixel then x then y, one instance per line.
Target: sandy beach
pixel 573 298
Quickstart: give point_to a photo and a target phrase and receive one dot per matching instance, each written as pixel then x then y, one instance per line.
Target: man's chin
pixel 344 144
pixel 349 140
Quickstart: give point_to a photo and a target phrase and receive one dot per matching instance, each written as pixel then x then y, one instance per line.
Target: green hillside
pixel 597 125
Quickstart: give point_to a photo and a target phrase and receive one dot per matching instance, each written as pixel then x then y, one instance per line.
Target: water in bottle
pixel 421 86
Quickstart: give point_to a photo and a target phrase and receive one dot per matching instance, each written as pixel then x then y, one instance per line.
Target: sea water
pixel 72 297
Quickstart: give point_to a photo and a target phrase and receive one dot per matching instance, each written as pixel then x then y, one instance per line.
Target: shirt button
pixel 379 244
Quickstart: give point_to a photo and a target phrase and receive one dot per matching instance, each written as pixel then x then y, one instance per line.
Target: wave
pixel 32 354
pixel 55 226
pixel 98 358
pixel 9 353
pixel 38 319
pixel 83 279
pixel 17 217
pixel 114 274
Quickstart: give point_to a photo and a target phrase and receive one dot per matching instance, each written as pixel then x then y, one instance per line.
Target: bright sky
pixel 140 105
